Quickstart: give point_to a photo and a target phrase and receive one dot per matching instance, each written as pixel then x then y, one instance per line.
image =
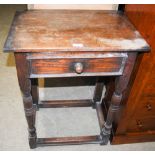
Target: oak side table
pixel 73 43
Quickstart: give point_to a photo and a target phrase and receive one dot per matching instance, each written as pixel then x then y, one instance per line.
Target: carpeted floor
pixel 52 122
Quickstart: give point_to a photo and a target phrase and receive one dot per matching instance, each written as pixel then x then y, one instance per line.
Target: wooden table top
pixel 73 30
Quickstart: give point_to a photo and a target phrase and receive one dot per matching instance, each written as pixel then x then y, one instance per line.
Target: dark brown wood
pixel 25 86
pixel 100 115
pixel 121 7
pixel 57 64
pixel 98 91
pixel 53 43
pixel 137 121
pixel 65 103
pixel 90 67
pixel 35 92
pixel 74 55
pixel 110 87
pixel 69 140
pixel 121 84
pixel 59 30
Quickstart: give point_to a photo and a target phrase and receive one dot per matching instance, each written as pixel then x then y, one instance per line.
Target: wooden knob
pixel 149 107
pixel 78 67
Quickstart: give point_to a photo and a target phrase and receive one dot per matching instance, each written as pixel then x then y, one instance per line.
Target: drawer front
pixel 146 99
pixel 146 108
pixel 141 124
pixel 61 67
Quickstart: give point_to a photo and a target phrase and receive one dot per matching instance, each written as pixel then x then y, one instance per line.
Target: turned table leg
pixel 22 66
pixel 121 83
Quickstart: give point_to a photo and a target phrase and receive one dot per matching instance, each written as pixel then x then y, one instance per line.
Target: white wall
pixel 74 6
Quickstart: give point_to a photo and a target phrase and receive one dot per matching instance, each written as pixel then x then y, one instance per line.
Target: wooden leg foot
pixel 105 139
pixel 32 142
pixel 105 134
pixel 32 138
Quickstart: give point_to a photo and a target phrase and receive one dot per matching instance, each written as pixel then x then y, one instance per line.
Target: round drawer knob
pixel 78 67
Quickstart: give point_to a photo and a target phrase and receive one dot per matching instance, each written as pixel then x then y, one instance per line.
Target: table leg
pixel 98 91
pixel 109 89
pixel 35 92
pixel 22 66
pixel 121 84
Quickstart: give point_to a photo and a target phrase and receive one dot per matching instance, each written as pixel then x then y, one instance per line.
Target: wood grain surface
pixel 137 121
pixel 62 66
pixel 73 30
